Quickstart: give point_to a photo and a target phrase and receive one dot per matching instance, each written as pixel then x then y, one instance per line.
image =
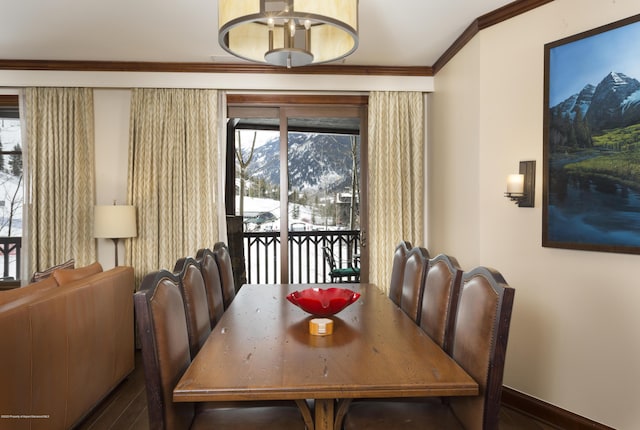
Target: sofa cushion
pixel 38 276
pixel 66 276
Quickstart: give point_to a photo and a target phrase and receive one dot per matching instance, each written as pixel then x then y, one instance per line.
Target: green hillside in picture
pixel 616 156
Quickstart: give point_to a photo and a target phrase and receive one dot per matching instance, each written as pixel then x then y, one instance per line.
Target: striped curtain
pixel 173 149
pixel 396 183
pixel 61 181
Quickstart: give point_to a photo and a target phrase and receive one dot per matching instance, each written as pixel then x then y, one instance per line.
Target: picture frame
pixel 591 153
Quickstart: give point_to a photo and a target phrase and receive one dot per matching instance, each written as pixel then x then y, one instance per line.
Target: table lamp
pixel 115 222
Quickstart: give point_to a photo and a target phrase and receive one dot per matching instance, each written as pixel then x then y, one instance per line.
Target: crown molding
pixel 141 66
pixel 487 20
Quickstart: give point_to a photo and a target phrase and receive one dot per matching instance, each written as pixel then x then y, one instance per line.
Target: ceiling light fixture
pixel 288 33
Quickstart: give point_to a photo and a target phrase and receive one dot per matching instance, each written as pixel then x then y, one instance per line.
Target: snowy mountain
pixel 317 162
pixel 582 100
pixel 612 93
pixel 613 103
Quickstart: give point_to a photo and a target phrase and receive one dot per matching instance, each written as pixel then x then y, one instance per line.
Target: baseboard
pixel 547 412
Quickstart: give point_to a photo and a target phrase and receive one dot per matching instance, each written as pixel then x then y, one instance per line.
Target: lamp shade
pixel 115 221
pixel 288 32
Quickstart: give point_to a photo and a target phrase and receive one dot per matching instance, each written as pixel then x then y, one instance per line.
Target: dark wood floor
pixel 126 409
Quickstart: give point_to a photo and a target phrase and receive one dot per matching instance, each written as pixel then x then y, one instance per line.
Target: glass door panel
pixel 257 200
pixel 323 164
pixel 313 154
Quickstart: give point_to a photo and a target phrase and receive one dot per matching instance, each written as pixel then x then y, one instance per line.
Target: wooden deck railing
pixel 307 264
pixel 10 250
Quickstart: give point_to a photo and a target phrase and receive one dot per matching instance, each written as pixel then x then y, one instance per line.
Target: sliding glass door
pixel 297 181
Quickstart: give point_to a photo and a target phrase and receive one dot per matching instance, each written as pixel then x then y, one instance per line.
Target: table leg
pixel 343 406
pixel 306 413
pixel 324 414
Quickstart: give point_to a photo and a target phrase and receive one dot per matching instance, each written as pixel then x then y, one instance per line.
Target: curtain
pixel 173 149
pixel 396 183
pixel 61 176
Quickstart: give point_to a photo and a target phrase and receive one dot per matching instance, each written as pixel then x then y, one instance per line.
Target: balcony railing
pixel 10 249
pixel 306 260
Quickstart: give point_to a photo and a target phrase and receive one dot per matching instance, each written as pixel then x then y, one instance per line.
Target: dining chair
pixel 479 347
pixel 162 329
pixel 440 299
pixel 194 296
pixel 223 259
pixel 397 270
pixel 415 271
pixel 212 283
pixel 349 273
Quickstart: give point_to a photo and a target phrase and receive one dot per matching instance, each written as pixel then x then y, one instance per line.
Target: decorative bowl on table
pixel 323 302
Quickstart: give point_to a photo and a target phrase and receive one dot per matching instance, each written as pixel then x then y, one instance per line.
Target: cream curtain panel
pixel 61 182
pixel 396 183
pixel 173 148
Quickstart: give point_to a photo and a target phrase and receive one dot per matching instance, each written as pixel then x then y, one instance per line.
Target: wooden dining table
pixel 261 349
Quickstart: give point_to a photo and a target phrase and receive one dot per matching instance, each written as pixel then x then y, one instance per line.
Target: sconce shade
pixel 521 188
pixel 288 32
pixel 115 221
pixel 515 184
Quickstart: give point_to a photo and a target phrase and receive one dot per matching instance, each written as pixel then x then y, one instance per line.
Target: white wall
pixel 574 338
pixel 111 111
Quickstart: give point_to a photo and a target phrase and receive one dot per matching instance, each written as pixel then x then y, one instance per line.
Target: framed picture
pixel 591 197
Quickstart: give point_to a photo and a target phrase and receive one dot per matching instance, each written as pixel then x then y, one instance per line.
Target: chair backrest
pixel 480 344
pixel 194 296
pixel 397 270
pixel 415 271
pixel 328 256
pixel 211 275
pixel 440 299
pixel 162 330
pixel 223 259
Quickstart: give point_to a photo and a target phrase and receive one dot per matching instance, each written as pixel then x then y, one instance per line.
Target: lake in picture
pixel 592 211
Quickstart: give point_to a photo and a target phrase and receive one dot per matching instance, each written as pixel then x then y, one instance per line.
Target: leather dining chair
pixel 194 296
pixel 415 271
pixel 479 346
pixel 212 283
pixel 397 270
pixel 223 259
pixel 440 299
pixel 162 329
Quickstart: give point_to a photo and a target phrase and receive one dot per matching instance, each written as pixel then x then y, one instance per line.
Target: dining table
pixel 262 349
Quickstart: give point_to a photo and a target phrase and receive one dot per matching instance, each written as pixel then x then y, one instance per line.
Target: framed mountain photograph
pixel 592 140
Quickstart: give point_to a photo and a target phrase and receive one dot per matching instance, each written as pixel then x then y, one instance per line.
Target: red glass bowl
pixel 323 302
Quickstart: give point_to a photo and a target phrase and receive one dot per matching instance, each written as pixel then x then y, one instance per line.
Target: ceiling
pixel 400 33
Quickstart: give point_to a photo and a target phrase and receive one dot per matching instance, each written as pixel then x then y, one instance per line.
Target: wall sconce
pixel 521 188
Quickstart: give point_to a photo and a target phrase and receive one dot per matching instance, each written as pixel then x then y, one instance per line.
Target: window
pixel 11 188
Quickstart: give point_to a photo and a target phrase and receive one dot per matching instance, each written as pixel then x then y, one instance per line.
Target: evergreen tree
pixel 581 130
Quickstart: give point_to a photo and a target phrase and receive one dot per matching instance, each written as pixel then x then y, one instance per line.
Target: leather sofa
pixel 65 343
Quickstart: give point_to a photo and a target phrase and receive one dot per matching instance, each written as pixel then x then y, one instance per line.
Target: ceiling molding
pixel 499 15
pixel 492 18
pixel 140 66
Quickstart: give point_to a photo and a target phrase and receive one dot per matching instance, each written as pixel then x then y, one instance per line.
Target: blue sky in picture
pixel 589 60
